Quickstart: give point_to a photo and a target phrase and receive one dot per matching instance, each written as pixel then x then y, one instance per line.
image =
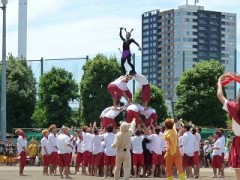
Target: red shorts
pixel 109 160
pixel 188 160
pixel 23 159
pixel 129 94
pixel 138 159
pixel 107 121
pixel 46 160
pixel 97 159
pixel 79 158
pixel 132 114
pixel 64 159
pixel 86 158
pixel 217 161
pixel 146 93
pixel 157 159
pixel 115 92
pixel 102 121
pixel 53 158
pixel 196 158
pixel 148 120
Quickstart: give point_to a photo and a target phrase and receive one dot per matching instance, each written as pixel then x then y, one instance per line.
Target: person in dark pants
pixel 126 53
pixel 207 149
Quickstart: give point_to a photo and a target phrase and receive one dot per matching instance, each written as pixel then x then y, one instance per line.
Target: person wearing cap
pixel 119 88
pixel 22 150
pixel 207 150
pixel 144 86
pixel 53 149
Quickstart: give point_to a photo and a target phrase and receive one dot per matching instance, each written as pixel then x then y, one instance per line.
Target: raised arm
pixel 120 33
pixel 220 95
pixel 132 125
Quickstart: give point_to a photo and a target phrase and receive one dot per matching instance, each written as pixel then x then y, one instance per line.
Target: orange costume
pixel 172 155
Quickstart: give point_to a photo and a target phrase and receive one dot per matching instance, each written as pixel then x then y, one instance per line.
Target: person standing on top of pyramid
pixel 126 53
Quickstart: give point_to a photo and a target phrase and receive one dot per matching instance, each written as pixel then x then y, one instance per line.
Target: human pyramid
pixel 119 88
pixel 105 153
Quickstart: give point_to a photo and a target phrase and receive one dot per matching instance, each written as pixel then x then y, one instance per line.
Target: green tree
pixel 197 99
pixel 21 94
pixel 56 89
pixel 157 102
pixel 98 73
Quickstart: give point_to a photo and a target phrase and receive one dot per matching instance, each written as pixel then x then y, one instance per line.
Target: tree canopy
pixel 197 95
pixel 21 93
pixel 98 73
pixel 56 89
pixel 157 102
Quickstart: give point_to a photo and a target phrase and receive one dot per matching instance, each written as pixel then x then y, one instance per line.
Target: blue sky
pixel 76 28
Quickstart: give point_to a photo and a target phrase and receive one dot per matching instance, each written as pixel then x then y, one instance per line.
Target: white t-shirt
pixel 197 140
pixel 155 143
pixel 207 148
pixel 87 141
pixel 120 84
pixel 222 139
pixel 188 143
pixel 180 140
pixel 79 146
pixel 141 79
pixel 148 112
pixel 137 144
pixel 52 142
pixel 44 143
pixel 218 144
pixel 163 142
pixel 105 111
pixel 21 143
pixel 235 125
pixel 112 113
pixel 135 107
pixel 62 142
pixel 97 141
pixel 109 139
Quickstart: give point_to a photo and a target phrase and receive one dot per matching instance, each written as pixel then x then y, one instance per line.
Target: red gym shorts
pixel 138 159
pixel 53 158
pixel 188 160
pixel 23 159
pixel 46 160
pixel 109 160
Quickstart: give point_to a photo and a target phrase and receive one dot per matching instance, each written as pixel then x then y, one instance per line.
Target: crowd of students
pixel 154 149
pixel 90 151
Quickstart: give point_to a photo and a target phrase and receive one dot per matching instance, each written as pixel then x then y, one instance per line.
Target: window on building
pixel 146 20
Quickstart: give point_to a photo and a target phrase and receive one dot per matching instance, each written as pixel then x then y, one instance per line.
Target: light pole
pixel 3 87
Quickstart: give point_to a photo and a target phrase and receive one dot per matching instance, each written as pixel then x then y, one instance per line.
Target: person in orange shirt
pixel 172 155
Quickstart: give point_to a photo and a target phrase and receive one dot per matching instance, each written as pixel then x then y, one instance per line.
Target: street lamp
pixel 3 87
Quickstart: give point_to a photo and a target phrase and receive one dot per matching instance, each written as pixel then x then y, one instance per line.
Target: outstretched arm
pixel 120 33
pixel 137 45
pixel 220 95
